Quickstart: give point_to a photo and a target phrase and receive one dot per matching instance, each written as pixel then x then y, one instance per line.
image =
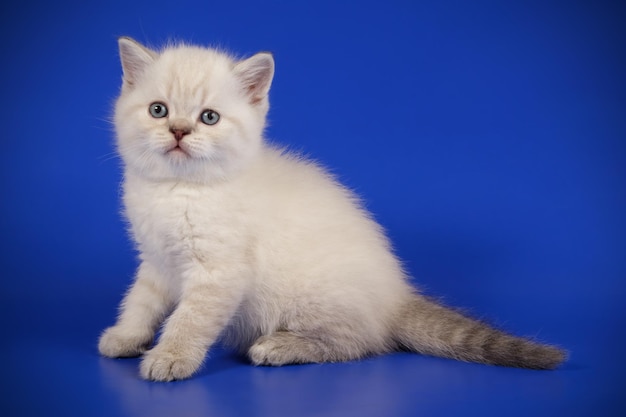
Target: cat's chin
pixel 179 164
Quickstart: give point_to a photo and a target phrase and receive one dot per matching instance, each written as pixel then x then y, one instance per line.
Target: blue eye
pixel 209 117
pixel 158 110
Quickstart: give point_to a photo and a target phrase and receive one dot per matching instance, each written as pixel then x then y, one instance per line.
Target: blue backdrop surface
pixel 487 137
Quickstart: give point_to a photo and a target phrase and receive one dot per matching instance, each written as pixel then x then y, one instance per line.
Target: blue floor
pixel 488 138
pixel 52 368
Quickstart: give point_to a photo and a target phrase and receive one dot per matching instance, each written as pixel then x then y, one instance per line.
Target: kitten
pixel 241 241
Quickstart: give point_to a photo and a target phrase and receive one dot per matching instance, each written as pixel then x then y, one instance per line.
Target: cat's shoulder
pixel 287 163
pixel 288 171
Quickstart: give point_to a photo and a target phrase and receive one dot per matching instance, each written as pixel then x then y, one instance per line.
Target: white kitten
pixel 248 243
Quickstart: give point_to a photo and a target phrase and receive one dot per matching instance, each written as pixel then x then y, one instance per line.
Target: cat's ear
pixel 255 75
pixel 135 58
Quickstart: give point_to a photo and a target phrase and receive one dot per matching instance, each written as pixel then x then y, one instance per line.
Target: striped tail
pixel 429 328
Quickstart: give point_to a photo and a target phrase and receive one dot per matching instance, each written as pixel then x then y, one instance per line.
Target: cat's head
pixel 190 113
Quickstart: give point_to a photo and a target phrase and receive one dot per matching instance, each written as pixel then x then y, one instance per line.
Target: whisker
pixel 108 157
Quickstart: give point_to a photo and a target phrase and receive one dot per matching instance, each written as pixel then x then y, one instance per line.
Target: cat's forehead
pixel 187 72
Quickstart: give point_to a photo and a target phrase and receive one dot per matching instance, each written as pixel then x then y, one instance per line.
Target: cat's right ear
pixel 135 58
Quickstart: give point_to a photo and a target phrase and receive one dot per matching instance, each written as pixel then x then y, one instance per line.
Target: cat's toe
pixel 163 365
pixel 257 355
pixel 117 343
pixel 266 352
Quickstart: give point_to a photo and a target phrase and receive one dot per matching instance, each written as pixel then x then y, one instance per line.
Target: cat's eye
pixel 209 117
pixel 158 110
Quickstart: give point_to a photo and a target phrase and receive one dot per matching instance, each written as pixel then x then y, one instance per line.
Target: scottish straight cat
pixel 255 246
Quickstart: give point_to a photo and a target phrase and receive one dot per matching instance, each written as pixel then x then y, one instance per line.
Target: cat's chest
pixel 177 223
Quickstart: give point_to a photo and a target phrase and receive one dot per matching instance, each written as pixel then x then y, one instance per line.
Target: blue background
pixel 488 137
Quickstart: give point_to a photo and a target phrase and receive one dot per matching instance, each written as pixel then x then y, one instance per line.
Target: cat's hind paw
pixel 118 343
pixel 161 364
pixel 264 353
pixel 282 348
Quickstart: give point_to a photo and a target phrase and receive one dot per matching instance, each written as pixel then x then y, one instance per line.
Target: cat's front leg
pixel 208 302
pixel 144 307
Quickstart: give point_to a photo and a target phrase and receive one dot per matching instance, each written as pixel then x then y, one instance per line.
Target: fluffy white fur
pixel 237 239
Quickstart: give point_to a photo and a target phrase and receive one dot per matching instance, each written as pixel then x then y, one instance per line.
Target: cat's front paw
pixel 116 342
pixel 162 364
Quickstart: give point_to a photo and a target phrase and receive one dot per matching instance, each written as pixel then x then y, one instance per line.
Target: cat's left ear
pixel 256 74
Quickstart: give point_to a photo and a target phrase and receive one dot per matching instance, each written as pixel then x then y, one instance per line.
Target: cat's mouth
pixel 178 150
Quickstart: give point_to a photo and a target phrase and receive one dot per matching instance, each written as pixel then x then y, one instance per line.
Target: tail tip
pixel 548 357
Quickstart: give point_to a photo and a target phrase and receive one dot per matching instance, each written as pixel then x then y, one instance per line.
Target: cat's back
pixel 305 218
pixel 288 181
pixel 296 199
pixel 317 246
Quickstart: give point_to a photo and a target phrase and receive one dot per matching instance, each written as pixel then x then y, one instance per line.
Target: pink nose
pixel 179 133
